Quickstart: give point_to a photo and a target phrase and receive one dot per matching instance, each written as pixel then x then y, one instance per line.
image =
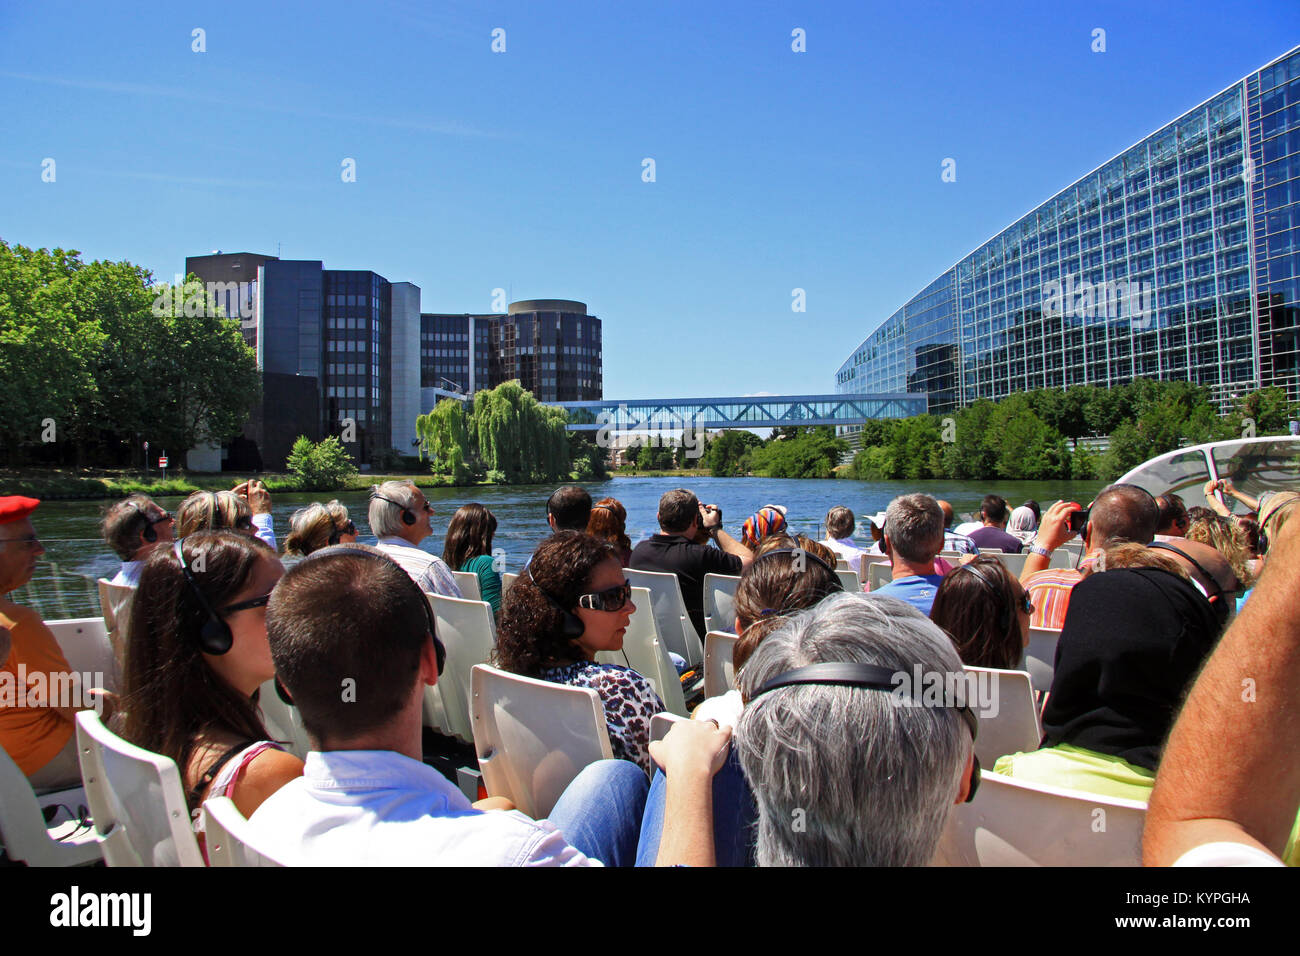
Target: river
pixel 64 583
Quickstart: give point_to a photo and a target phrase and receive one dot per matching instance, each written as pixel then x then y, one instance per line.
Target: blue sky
pixel 774 170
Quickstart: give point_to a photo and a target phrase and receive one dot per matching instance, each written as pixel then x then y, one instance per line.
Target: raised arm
pixel 1053 531
pixel 1226 774
pixel 711 522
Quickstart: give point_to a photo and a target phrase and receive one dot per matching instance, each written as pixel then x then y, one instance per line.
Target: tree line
pixel 95 360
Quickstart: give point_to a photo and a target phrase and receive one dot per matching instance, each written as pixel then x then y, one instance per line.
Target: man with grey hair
pixel 846 769
pixel 399 517
pixel 913 537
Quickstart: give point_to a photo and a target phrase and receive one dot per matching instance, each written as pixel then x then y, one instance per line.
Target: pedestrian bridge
pixel 753 411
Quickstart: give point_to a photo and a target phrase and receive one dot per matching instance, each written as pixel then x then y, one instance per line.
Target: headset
pixel 149 534
pixel 215 636
pixel 571 626
pixel 408 516
pixel 870 677
pixel 795 551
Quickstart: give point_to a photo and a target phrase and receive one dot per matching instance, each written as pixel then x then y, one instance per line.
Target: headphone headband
pixel 796 551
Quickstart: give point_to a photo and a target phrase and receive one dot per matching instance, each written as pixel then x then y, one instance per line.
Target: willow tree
pixel 445 438
pixel 519 438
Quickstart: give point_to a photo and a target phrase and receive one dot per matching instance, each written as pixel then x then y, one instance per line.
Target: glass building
pixel 1177 259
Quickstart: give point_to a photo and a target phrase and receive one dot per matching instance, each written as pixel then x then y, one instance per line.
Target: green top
pixel 489 582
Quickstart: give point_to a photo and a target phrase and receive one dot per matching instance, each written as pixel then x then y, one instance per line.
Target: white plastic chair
pixel 675 625
pixel 283 721
pixel 533 737
pixel 719 672
pixel 645 652
pixel 1017 823
pixel 87 649
pixel 952 557
pixel 849 580
pixel 660 724
pixel 507 579
pixel 229 838
pixel 1015 563
pixel 1063 558
pixel 467 581
pixel 136 800
pixel 115 603
pixel 720 601
pixel 23 832
pixel 878 575
pixel 467 631
pixel 842 564
pixel 1015 727
pixel 1040 657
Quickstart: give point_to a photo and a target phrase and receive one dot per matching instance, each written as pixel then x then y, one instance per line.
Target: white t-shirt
pixel 1226 853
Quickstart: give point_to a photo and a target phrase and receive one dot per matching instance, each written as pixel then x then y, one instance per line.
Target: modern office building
pixel 348 353
pixel 552 346
pixel 1177 259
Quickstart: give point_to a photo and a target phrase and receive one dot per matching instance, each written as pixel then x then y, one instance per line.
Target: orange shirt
pixel 1049 591
pixel 32 736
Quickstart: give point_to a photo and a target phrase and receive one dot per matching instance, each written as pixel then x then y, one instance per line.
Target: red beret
pixel 16 508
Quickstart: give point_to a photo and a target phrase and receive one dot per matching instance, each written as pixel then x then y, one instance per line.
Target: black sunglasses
pixel 610 599
pixel 244 605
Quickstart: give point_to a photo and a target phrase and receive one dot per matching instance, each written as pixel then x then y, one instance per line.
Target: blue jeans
pixel 735 817
pixel 599 813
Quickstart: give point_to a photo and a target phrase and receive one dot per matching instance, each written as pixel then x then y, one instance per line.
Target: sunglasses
pixel 244 523
pixel 29 542
pixel 610 599
pixel 1026 605
pixel 244 605
pixel 162 518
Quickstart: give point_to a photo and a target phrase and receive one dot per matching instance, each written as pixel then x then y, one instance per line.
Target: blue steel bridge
pixel 755 411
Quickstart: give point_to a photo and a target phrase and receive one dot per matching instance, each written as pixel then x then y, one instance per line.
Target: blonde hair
pixel 212 511
pixel 314 527
pixel 1227 537
pixel 1130 555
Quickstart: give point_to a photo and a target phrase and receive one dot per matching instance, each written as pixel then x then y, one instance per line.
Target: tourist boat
pixel 1254 465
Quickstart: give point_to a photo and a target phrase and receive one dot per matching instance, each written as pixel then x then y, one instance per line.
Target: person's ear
pixel 885 546
pixel 428 662
pixel 550 520
pixel 964 790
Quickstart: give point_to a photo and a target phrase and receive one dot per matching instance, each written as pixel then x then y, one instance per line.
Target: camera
pixel 1077 520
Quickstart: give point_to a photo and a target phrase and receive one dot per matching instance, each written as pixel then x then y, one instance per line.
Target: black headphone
pixel 215 637
pixel 871 677
pixel 408 516
pixel 1004 615
pixel 795 551
pixel 571 626
pixel 367 551
pixel 149 534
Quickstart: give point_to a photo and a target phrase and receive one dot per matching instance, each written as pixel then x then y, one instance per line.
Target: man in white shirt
pixel 133 528
pixel 353 643
pixel 399 516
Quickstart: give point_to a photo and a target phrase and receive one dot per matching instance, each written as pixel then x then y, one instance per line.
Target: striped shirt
pixel 1050 593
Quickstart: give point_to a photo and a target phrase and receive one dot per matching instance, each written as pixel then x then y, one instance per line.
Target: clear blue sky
pixel 523 169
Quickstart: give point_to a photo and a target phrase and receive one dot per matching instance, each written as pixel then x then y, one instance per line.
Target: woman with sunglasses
pixel 571 603
pixel 469 548
pixel 196 656
pixel 318 526
pixel 247 510
pixel 985 611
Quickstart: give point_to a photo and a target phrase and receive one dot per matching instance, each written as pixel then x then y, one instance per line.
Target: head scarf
pixel 769 519
pixel 1022 519
pixel 1134 639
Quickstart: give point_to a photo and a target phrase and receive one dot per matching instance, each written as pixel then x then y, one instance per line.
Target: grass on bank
pixel 91 483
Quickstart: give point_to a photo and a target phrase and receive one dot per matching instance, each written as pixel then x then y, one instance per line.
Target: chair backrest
pixel 1014 727
pixel 23 831
pixel 1015 563
pixel 87 649
pixel 283 721
pixel 228 836
pixel 467 581
pixel 532 737
pixel 849 580
pixel 660 724
pixel 645 652
pixel 115 603
pixel 1063 558
pixel 136 800
pixel 1017 823
pixel 1040 656
pixel 467 631
pixel 719 672
pixel 842 564
pixel 720 601
pixel 507 579
pixel 675 625
pixel 952 557
pixel 878 575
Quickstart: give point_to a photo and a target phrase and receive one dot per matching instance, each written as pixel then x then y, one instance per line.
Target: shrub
pixel 320 466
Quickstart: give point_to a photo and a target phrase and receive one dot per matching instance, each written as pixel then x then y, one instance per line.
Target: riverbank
pixel 87 484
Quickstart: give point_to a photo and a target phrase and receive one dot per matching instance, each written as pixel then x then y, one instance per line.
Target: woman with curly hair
pixel 608 522
pixel 469 548
pixel 319 526
pixel 570 603
pixel 196 656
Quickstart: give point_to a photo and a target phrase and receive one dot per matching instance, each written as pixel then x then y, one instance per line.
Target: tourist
pixel 985 611
pixel 608 522
pixel 1119 513
pixel 319 526
pixel 1225 536
pixel 992 535
pixel 247 510
pixel 399 516
pixel 675 549
pixel 367 798
pixel 1210 572
pixel 568 509
pixel 1032 505
pixel 570 604
pixel 768 520
pixel 196 657
pixel 913 539
pixel 469 548
pixel 36 734
pixel 839 537
pixel 1173 521
pixel 1022 525
pixel 952 541
pixel 782 578
pixel 132 528
pixel 872 782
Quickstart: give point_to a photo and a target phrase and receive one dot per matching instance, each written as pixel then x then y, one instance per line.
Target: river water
pixel 64 583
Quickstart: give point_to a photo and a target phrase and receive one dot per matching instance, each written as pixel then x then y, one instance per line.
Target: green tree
pixel 810 452
pixel 1268 408
pixel 728 455
pixel 444 438
pixel 320 466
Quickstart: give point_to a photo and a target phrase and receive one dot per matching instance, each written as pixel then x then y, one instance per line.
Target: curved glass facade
pixel 1177 259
